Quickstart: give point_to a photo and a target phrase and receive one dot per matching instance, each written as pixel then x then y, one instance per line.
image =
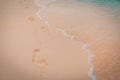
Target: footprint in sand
pixel 38 60
pixel 31 18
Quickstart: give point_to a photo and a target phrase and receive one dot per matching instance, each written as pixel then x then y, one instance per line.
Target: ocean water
pixel 114 5
pixel 111 6
pixel 109 3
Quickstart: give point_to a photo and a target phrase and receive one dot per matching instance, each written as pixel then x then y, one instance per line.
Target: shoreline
pixel 35 51
pixel 85 47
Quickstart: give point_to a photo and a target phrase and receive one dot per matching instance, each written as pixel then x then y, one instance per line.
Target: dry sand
pixel 32 51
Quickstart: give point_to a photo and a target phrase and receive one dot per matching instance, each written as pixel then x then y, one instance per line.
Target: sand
pixel 31 50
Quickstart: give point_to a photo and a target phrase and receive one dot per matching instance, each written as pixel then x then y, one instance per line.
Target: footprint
pixel 31 18
pixel 42 27
pixel 38 60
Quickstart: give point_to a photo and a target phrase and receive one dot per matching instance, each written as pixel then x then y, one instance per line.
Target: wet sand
pixel 30 50
pixel 94 28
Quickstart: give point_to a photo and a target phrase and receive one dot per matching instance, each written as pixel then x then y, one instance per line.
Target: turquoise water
pixel 112 7
pixel 107 3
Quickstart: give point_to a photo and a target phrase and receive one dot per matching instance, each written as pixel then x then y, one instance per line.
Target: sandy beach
pixel 57 44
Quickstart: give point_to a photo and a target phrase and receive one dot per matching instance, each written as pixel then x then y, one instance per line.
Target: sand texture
pixel 63 41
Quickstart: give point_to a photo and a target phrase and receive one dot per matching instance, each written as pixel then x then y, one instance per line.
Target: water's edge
pixel 85 46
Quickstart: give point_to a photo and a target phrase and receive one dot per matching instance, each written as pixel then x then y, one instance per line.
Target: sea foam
pixel 43 5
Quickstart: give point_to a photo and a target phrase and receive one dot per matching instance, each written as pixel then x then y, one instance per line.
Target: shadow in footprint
pixel 38 61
